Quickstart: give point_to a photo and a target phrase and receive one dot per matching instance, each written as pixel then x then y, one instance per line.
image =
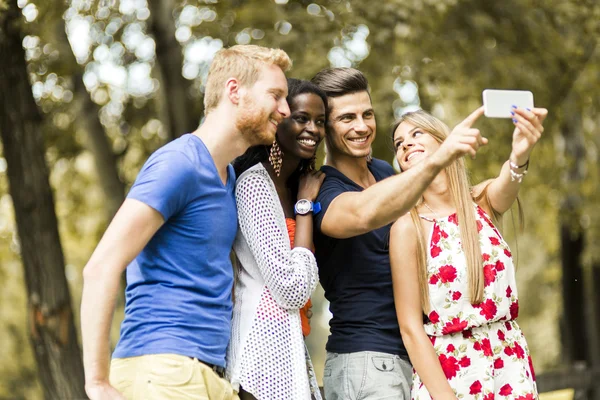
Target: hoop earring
pixel 276 157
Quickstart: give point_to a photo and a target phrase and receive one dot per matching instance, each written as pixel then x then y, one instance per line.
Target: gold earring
pixel 276 157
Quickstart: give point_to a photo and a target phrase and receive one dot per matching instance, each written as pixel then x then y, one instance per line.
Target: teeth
pixel 274 122
pixel 359 140
pixel 307 142
pixel 413 154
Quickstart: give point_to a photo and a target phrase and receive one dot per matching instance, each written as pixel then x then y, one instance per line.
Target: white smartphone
pixel 498 103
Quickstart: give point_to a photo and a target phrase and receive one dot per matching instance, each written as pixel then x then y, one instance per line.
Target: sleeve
pixel 330 189
pixel 290 274
pixel 165 183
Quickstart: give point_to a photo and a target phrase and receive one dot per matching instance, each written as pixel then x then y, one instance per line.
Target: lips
pixel 308 142
pixel 412 154
pixel 360 140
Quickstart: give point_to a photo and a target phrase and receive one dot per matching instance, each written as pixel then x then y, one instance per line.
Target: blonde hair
pixel 242 62
pixel 460 190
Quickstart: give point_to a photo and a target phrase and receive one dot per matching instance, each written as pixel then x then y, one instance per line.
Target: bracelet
pixel 514 175
pixel 515 166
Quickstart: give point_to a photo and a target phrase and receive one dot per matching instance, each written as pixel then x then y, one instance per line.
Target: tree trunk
pixel 97 140
pixel 52 332
pixel 175 88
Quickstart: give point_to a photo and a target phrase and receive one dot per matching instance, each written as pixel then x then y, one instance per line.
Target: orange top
pixel 291 227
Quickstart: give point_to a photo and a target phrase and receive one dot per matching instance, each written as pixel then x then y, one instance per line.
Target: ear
pixel 233 90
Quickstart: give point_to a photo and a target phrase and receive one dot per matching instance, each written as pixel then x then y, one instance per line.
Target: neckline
pixel 369 166
pixel 224 185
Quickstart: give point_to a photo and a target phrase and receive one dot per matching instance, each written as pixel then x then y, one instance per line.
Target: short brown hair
pixel 242 62
pixel 338 82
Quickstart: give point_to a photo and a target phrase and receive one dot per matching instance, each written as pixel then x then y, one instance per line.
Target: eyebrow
pixel 277 91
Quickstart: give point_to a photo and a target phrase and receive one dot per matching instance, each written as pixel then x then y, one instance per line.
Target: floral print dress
pixel 480 347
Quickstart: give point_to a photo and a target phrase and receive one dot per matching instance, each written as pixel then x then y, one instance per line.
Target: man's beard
pixel 253 123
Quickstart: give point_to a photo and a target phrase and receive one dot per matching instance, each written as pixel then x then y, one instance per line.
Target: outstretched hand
pixel 464 139
pixel 528 130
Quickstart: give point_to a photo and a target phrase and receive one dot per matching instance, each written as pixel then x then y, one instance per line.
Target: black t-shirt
pixel 356 276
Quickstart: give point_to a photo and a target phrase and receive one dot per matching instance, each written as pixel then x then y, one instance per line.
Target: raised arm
pixel 355 213
pixel 130 230
pixel 503 190
pixel 407 297
pixel 290 274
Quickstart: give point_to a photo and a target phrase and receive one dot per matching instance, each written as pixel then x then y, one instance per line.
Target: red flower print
pixel 456 295
pixel 453 219
pixel 449 365
pixel 467 334
pixel 514 309
pixel 508 351
pixel 447 273
pixel 433 279
pixel 494 240
pixel 489 396
pixel 477 346
pixel 488 309
pixel 479 226
pixel 500 335
pixel 531 368
pixel 434 317
pixel 507 253
pixel 432 338
pixel 444 234
pixel 456 325
pixel 505 390
pixel 435 235
pixel 528 396
pixel 519 350
pixel 475 388
pixel 465 362
pixel 450 348
pixel 508 326
pixel 498 363
pixel 489 274
pixel 435 251
pixel 486 346
pixel 508 292
pixel 486 257
pixel 499 266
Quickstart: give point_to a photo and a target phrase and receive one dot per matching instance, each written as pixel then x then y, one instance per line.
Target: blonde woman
pixel 450 262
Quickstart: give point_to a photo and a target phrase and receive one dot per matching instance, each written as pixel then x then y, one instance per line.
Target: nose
pixel 284 109
pixel 311 127
pixel 407 144
pixel 361 126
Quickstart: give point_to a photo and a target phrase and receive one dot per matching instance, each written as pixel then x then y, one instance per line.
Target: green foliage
pixel 450 50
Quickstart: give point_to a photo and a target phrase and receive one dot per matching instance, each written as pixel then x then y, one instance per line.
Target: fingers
pixel 528 123
pixel 470 120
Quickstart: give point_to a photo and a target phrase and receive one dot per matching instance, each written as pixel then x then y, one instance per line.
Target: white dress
pixel 267 356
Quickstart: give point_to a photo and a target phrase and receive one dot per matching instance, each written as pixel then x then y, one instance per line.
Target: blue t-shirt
pixel 355 273
pixel 178 296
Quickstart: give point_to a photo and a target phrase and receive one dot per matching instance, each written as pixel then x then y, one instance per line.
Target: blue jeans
pixel 366 375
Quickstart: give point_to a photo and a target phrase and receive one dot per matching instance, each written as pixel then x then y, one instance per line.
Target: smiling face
pixel 300 134
pixel 263 106
pixel 413 144
pixel 352 126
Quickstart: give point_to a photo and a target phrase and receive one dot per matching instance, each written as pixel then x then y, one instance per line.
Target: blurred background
pixel 89 89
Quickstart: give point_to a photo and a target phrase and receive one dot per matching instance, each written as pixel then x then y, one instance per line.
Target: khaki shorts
pixel 168 377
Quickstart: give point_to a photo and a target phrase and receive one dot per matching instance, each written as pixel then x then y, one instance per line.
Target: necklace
pixel 429 208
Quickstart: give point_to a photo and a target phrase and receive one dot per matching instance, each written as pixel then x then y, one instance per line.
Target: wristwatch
pixel 304 206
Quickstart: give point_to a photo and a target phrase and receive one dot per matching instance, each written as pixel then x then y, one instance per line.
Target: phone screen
pixel 498 103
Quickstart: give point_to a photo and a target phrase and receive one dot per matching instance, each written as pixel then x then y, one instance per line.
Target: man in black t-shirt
pixel 360 200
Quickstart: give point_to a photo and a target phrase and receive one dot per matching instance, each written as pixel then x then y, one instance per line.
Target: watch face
pixel 303 206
